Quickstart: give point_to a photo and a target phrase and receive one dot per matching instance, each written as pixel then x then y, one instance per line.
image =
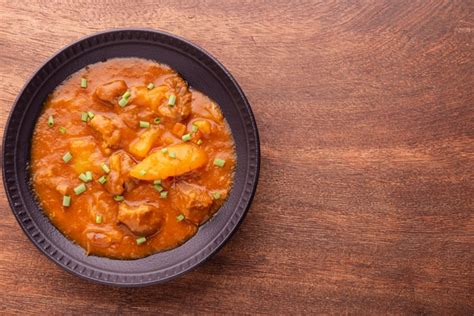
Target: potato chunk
pixel 142 220
pixel 85 155
pixel 204 126
pixel 150 98
pixel 110 92
pixel 106 127
pixel 142 145
pixel 161 165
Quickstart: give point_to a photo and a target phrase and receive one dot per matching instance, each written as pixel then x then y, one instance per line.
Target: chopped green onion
pixel 86 177
pixel 141 240
pixel 118 198
pixel 180 217
pixel 98 219
pixel 91 115
pixel 123 102
pixel 83 177
pixel 142 172
pixel 164 150
pixel 81 188
pixel 62 130
pixel 172 100
pixel 126 95
pixel 150 86
pixel 102 180
pixel 66 200
pixel 158 187
pixel 172 155
pixel 144 124
pixel 194 128
pixel 157 182
pixel 105 168
pixel 164 194
pixel 84 116
pixel 50 121
pixel 219 162
pixel 83 83
pixel 67 156
pixel 199 142
pixel 186 137
pixel 216 195
pixel 157 120
pixel 89 175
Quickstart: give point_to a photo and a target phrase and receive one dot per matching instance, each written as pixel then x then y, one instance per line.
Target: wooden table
pixel 366 117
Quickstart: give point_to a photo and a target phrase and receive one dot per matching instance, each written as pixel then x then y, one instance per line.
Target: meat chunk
pixel 110 92
pixel 107 128
pixel 142 220
pixel 59 184
pixel 118 180
pixel 101 236
pixel 182 107
pixel 98 203
pixel 45 175
pixel 157 98
pixel 210 111
pixel 193 201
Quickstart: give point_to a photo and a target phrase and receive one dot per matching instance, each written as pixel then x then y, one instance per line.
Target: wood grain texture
pixel 366 117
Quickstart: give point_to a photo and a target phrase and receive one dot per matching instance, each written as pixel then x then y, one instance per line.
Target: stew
pixel 127 160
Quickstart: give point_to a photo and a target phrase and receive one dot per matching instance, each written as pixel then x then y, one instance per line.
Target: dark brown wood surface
pixel 366 117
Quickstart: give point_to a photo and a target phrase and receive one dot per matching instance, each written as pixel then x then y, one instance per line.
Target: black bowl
pixel 203 72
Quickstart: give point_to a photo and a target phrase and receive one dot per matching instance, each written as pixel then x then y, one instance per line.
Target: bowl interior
pixel 203 73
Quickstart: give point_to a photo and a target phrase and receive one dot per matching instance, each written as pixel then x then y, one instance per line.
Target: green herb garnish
pixel 81 188
pixel 219 162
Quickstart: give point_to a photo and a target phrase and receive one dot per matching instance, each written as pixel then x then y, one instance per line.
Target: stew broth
pixel 127 160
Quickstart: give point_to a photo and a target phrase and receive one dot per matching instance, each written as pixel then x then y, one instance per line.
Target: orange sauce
pixel 133 213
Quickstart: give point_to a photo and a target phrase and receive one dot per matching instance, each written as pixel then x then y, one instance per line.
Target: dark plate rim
pixel 17 207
